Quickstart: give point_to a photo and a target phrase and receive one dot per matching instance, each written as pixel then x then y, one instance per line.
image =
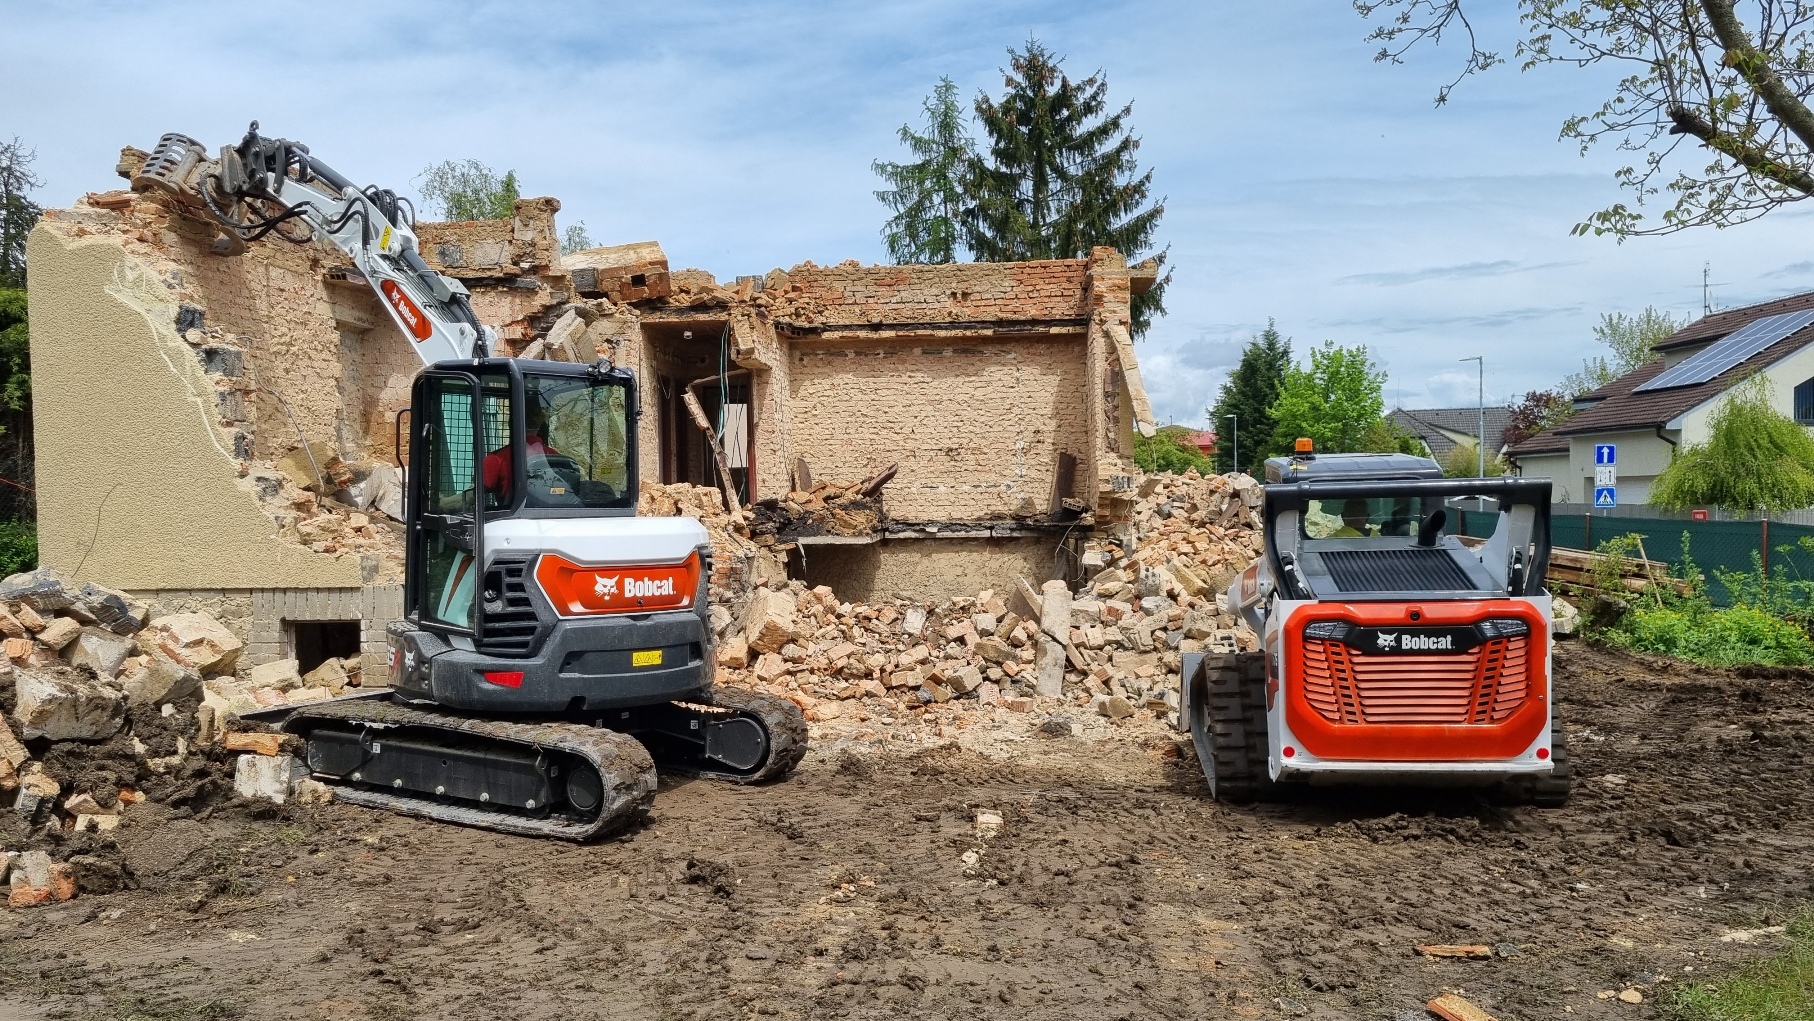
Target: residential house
pixel 1647 413
pixel 1445 429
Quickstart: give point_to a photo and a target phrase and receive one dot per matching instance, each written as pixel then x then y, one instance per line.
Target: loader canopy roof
pixel 1350 467
pixel 1388 539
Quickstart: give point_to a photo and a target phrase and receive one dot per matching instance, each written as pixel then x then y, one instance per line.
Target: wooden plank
pixel 731 502
pixel 803 476
pixel 1451 1007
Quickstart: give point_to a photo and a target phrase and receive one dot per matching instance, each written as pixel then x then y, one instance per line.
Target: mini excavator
pixel 556 648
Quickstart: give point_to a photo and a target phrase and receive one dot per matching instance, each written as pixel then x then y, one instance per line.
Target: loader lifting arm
pixel 274 186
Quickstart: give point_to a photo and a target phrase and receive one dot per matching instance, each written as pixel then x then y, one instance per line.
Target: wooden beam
pixel 734 505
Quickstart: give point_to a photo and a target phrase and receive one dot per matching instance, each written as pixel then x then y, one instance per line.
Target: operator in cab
pixel 1354 518
pixel 535 441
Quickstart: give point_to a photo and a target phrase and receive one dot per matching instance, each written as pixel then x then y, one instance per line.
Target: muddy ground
pixel 1114 889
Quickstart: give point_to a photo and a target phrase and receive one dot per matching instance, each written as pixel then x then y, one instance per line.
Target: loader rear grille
pixel 1396 570
pixel 512 626
pixel 1486 684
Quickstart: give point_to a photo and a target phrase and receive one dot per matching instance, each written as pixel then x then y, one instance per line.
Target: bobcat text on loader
pixel 1390 651
pixel 556 647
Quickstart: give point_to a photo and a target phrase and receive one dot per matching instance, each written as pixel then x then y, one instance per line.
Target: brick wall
pixel 929 569
pixel 975 424
pixel 959 292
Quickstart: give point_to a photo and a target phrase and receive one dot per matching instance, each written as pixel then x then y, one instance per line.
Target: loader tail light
pixel 505 678
pixel 1543 753
pixel 1290 752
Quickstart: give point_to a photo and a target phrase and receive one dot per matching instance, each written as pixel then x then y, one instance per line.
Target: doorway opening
pixel 697 354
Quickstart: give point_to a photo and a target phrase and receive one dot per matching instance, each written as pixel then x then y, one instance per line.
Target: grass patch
pixel 1776 988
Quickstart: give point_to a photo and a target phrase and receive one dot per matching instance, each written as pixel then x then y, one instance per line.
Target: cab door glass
pixel 446 534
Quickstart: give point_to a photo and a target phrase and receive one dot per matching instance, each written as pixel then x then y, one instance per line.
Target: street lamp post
pixel 1480 437
pixel 1234 422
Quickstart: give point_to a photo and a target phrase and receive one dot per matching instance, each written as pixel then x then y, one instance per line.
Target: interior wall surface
pixel 975 424
pixel 929 569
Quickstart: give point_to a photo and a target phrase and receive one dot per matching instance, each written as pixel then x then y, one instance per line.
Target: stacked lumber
pixel 1581 569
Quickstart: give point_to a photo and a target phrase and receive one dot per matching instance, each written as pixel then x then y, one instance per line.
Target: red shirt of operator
pixel 497 463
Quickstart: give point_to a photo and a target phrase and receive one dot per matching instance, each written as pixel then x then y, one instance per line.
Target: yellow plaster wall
pixel 135 486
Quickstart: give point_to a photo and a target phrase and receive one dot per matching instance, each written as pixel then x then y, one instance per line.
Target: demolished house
pixel 218 433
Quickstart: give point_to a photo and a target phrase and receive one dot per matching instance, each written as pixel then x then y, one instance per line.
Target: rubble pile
pixel 331 505
pixel 109 707
pixel 737 560
pixel 1114 648
pixel 828 508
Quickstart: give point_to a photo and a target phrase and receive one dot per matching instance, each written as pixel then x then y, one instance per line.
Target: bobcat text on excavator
pixel 556 648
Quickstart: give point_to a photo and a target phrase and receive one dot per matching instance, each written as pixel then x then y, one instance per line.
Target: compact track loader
pixel 556 647
pixel 1391 651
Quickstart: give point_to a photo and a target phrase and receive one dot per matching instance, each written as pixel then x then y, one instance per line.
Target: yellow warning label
pixel 646 657
pixel 384 240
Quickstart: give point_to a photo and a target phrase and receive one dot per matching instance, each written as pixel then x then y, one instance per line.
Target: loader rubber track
pixel 780 718
pixel 1228 727
pixel 624 767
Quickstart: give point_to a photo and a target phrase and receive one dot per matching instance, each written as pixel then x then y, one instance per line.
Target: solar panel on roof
pixel 1737 346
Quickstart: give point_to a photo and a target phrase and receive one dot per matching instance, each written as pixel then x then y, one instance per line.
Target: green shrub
pixel 18 547
pixel 1738 634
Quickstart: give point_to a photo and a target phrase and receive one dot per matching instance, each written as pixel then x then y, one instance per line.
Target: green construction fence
pixel 1727 545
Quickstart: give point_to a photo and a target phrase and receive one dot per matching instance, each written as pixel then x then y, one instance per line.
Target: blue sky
pixel 1304 182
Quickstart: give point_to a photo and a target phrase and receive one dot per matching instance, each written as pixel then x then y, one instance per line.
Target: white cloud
pixel 1302 180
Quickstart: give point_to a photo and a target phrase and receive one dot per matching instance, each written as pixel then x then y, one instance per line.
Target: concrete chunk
pixel 280 674
pixel 1049 681
pixel 265 777
pixel 99 650
pixel 161 681
pixel 109 608
pixel 65 708
pixel 1055 610
pixel 60 632
pixel 771 620
pixel 43 590
pixel 37 794
pixel 196 641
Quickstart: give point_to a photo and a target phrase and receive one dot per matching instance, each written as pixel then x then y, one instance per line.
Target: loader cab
pixel 498 438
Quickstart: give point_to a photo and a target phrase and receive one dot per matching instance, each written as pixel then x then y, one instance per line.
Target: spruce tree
pixel 1246 399
pixel 928 196
pixel 1060 176
pixel 18 213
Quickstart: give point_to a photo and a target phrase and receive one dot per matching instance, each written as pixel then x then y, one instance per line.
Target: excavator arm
pixel 268 186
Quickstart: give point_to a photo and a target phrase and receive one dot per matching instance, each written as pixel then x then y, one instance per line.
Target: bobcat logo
pixel 606 587
pixel 1387 640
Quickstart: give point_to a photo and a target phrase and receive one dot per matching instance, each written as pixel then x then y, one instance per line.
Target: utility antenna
pixel 1706 289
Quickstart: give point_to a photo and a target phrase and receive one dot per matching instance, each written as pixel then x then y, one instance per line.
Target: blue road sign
pixel 1606 453
pixel 1606 496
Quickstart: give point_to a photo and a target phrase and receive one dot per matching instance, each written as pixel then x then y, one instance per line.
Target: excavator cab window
pixel 576 437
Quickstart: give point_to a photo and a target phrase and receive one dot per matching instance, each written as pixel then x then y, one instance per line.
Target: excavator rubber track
pixel 626 773
pixel 783 726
